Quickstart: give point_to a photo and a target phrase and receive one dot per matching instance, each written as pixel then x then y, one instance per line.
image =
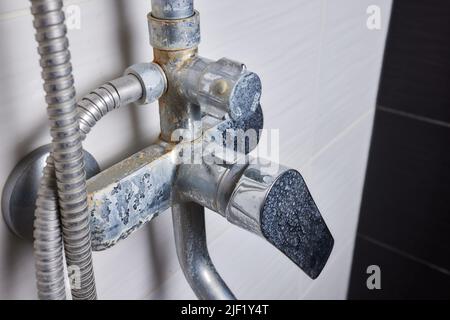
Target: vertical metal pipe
pixel 175 46
pixel 179 118
pixel 172 9
pixel 192 251
pixel 175 34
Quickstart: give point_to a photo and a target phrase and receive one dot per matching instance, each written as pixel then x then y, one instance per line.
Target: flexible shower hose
pixel 67 199
pixel 47 229
pixel 61 227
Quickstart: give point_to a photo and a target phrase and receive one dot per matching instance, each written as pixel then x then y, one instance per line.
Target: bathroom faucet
pixel 211 119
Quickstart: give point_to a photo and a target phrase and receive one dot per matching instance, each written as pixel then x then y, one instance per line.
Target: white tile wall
pixel 320 67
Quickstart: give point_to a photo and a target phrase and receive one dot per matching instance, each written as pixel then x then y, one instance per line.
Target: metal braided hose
pixel 106 98
pixel 61 216
pixel 47 234
pixel 65 163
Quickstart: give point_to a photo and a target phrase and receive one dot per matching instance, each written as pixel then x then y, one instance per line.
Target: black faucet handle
pixel 280 208
pixel 291 221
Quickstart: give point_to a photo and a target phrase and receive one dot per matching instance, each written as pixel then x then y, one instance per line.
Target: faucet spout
pixel 192 251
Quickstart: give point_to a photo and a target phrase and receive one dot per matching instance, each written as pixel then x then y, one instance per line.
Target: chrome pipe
pixel 142 82
pixel 172 9
pixel 175 45
pixel 192 251
pixel 271 201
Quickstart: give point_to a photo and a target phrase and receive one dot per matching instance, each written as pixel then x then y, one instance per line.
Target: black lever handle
pixel 280 208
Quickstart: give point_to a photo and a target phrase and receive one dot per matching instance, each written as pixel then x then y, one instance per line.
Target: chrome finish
pixel 21 188
pixel 192 251
pixel 173 35
pixel 190 76
pixel 270 201
pixel 180 119
pixel 206 108
pixel 210 185
pixel 131 193
pixel 226 86
pixel 152 79
pixel 172 9
pixel 221 87
pixel 106 98
pixel 248 197
pixel 279 207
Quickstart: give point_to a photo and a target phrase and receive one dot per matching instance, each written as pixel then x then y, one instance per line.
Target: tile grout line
pixel 404 254
pixel 414 116
pixel 338 137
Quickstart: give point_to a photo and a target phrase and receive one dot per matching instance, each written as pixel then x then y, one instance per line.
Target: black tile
pixel 406 200
pixel 401 277
pixel 416 70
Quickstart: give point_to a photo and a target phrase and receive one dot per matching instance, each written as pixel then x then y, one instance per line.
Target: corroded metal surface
pixel 211 119
pixel 173 35
pixel 152 79
pixel 192 251
pixel 209 108
pixel 172 9
pixel 129 194
pixel 178 116
pixel 225 86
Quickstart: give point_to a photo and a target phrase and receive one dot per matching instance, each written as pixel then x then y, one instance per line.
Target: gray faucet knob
pixel 227 86
pixel 280 208
pixel 221 87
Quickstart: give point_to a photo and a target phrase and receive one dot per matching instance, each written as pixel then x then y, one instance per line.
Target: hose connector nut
pixel 152 78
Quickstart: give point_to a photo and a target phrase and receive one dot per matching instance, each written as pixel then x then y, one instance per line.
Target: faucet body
pixel 205 101
pixel 211 119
